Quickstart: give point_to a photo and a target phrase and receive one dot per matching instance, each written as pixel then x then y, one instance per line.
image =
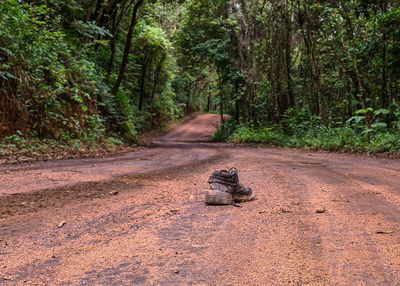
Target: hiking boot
pixel 225 181
pixel 225 188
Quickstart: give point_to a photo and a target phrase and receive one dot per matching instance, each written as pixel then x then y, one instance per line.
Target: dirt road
pixel 59 224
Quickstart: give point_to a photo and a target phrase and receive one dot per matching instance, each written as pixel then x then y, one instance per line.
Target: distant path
pixel 320 218
pixel 200 129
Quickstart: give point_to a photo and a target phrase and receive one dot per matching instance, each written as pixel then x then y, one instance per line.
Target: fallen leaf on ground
pixel 61 224
pixel 384 232
pixel 281 211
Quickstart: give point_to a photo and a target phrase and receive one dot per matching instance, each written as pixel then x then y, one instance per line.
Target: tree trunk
pixel 385 98
pixel 116 20
pixel 89 10
pixel 315 72
pixel 142 81
pixel 156 78
pixel 350 34
pixel 128 46
pixel 221 102
pixel 99 7
pixel 288 52
pixel 112 56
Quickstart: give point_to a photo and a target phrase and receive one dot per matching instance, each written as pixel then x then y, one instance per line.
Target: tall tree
pixel 128 46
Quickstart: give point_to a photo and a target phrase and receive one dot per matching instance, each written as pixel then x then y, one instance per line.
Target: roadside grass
pixel 319 137
pixel 17 148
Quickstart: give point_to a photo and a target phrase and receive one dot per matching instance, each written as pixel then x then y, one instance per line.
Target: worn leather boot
pixel 223 180
pixel 225 188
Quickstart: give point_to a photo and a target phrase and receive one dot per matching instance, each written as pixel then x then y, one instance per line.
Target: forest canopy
pixel 288 71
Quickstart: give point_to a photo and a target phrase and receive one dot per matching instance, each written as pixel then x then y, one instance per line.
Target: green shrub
pixel 224 133
pixel 57 82
pixel 318 137
pixel 299 121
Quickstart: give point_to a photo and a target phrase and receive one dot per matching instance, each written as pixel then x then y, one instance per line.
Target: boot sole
pixel 243 198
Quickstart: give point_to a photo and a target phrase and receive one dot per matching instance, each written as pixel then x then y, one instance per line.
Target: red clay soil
pixel 320 218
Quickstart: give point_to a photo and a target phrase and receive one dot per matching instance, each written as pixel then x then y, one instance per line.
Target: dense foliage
pixel 331 57
pixel 60 61
pixel 298 72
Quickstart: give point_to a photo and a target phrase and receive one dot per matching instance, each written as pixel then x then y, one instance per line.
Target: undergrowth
pixel 18 148
pixel 302 130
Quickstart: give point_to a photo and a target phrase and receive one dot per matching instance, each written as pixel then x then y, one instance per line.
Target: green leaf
pixel 369 130
pixel 379 125
pixel 6 75
pixel 382 111
pixel 364 111
pixel 356 119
